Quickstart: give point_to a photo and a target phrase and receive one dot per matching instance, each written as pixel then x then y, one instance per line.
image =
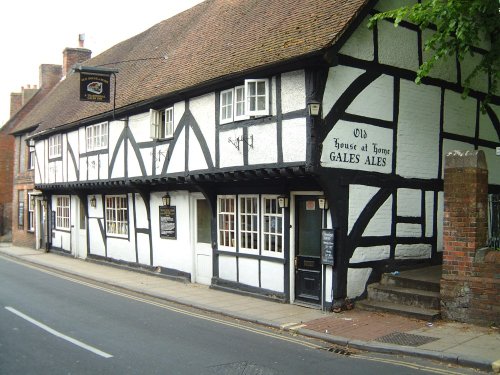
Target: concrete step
pixel 407 281
pixel 398 309
pixel 404 296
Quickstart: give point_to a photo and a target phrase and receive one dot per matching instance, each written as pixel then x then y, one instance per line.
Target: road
pixel 55 324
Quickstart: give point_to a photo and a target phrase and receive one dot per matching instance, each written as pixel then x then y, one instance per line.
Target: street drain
pixel 406 339
pixel 337 351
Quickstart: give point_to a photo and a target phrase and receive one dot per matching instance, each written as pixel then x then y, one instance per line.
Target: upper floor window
pixel 257 94
pixel 241 102
pixel 31 158
pixel 62 212
pixel 97 136
pixel 55 146
pixel 162 123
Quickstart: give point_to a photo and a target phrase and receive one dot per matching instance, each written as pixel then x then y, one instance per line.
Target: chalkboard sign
pixel 168 222
pixel 327 246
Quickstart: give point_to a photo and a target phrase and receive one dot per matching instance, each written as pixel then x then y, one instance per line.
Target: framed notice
pixel 168 222
pixel 327 246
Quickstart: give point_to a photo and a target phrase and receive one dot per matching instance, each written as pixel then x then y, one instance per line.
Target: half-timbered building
pixel 212 162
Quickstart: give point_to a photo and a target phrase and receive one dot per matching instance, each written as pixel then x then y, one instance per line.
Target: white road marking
pixel 58 334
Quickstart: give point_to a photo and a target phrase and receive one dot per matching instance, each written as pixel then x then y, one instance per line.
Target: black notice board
pixel 168 222
pixel 327 246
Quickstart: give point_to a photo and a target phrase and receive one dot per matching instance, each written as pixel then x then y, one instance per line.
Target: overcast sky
pixel 35 32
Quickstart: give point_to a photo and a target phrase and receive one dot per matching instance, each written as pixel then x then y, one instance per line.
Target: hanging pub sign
pixel 168 222
pixel 95 87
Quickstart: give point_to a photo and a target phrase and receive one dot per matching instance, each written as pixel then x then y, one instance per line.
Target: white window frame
pixel 116 215
pixel 249 98
pixel 242 103
pixel 31 158
pixel 31 212
pixel 226 106
pixel 248 223
pixel 55 146
pixel 97 136
pixel 226 235
pixel 276 233
pixel 63 212
pixel 161 123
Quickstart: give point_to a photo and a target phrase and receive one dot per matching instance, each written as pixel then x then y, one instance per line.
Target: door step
pixel 399 309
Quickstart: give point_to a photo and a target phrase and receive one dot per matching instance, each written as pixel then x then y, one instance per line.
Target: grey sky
pixel 34 32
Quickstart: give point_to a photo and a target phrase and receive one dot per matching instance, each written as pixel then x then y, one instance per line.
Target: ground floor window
pixel 494 220
pixel 31 212
pixel 20 209
pixel 62 212
pixel 116 215
pixel 250 223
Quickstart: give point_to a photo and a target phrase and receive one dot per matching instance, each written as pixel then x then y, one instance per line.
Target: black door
pixel 308 250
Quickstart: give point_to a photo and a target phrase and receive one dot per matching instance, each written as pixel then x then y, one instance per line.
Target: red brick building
pixel 22 160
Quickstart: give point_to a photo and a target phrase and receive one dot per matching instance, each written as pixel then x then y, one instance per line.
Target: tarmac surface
pixel 458 343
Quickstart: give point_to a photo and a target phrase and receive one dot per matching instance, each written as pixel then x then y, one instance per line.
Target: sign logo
pixel 95 87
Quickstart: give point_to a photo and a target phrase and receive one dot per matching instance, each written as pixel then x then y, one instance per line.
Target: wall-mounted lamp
pixel 166 200
pixel 314 108
pixel 31 143
pixel 322 203
pixel 93 201
pixel 283 201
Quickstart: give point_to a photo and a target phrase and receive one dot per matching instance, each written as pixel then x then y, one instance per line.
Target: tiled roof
pixel 210 41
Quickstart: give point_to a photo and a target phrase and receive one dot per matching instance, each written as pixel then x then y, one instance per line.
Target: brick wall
pixel 469 285
pixel 23 181
pixel 6 178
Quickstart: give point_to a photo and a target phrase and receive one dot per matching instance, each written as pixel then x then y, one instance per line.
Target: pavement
pixel 456 343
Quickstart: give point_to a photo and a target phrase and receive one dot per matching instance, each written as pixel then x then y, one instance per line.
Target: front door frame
pixel 207 247
pixel 293 215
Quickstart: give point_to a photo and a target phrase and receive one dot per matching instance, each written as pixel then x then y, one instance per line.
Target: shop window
pixel 272 222
pixel 255 226
pixel 62 212
pixel 226 218
pixel 248 222
pixel 116 215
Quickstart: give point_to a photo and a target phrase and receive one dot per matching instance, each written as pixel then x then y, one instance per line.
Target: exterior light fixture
pixel 322 203
pixel 166 200
pixel 314 108
pixel 31 143
pixel 93 201
pixel 283 201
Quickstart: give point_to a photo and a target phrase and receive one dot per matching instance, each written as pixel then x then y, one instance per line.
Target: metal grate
pixel 406 339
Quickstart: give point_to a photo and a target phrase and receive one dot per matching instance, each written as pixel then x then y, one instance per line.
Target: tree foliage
pixel 459 25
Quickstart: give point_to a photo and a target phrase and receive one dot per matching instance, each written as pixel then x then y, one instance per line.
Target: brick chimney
pixel 72 56
pixel 49 75
pixel 16 102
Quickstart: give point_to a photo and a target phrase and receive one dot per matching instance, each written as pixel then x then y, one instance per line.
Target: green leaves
pixel 460 26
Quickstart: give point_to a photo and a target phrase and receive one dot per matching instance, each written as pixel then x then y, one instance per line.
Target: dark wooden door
pixel 308 270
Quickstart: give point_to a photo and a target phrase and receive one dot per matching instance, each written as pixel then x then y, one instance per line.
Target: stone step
pixel 404 296
pixel 405 281
pixel 398 309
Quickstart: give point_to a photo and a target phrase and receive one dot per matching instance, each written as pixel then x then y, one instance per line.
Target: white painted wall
pixel 175 254
pixel 265 148
pixel 370 253
pixel 418 131
pixel 293 91
pixel 272 276
pixel 248 271
pixel 356 281
pixel 294 143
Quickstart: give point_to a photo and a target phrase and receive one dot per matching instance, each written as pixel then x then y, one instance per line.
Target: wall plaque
pixel 168 222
